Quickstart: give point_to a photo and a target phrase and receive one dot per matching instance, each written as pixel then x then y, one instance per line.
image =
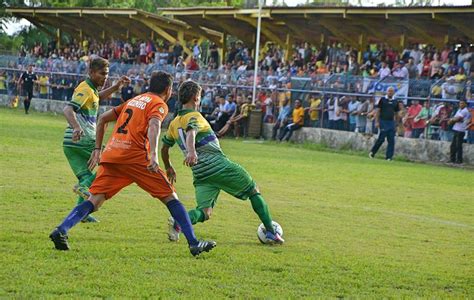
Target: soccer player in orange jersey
pixel 131 156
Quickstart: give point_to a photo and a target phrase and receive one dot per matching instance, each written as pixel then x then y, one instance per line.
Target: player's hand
pixel 171 174
pixel 123 79
pixel 77 134
pixel 94 159
pixel 377 125
pixel 191 159
pixel 153 166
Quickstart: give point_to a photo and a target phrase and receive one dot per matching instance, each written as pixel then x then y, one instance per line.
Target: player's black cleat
pixel 59 240
pixel 203 246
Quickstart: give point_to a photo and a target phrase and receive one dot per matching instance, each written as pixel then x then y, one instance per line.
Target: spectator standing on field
pixel 460 120
pixel 385 121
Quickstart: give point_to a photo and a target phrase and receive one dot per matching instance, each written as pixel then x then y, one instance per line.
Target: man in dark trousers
pixel 385 121
pixel 27 80
pixel 460 120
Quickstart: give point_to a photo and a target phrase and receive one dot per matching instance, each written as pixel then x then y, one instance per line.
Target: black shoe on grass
pixel 59 240
pixel 203 246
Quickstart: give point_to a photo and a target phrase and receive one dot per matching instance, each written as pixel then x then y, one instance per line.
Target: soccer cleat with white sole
pixel 173 230
pixel 203 246
pixel 274 238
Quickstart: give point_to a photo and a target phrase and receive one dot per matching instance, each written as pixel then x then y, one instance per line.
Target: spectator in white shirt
pixel 384 70
pixel 461 120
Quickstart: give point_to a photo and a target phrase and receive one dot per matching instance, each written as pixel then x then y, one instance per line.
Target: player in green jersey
pixel 212 170
pixel 81 113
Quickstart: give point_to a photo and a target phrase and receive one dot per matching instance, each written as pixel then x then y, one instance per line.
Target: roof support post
pixel 223 49
pixel 288 44
pixel 362 45
pixel 58 37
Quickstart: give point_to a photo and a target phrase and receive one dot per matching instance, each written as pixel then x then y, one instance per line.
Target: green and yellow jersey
pixel 211 159
pixel 85 103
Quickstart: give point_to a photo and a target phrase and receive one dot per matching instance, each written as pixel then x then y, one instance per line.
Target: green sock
pixel 196 215
pixel 85 181
pixel 260 207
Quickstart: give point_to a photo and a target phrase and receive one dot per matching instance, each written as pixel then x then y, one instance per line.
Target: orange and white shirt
pixel 129 141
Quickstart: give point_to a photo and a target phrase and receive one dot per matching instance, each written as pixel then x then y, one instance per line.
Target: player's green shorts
pixel 233 179
pixel 78 158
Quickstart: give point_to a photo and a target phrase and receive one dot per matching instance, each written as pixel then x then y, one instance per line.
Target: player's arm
pixel 154 129
pixel 105 118
pixel 105 94
pixel 71 118
pixel 191 156
pixel 165 156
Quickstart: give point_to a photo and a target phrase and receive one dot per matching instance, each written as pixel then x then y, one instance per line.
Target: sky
pixel 17 26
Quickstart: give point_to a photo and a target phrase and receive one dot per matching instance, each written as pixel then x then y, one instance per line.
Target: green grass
pixel 354 227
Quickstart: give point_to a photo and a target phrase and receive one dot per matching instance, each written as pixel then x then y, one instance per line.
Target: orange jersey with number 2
pixel 129 142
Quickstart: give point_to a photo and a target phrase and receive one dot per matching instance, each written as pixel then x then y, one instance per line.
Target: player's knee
pixel 97 200
pixel 255 191
pixel 207 213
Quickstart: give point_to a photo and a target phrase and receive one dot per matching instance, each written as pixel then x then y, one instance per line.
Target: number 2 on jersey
pixel 122 129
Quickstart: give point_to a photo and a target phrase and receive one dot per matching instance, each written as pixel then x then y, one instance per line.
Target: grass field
pixel 354 227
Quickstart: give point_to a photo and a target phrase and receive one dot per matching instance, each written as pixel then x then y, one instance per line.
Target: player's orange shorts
pixel 111 178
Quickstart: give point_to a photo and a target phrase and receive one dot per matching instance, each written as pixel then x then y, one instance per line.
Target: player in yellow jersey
pixel 81 113
pixel 212 170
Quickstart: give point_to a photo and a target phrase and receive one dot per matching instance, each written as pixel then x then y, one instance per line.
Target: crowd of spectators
pixel 446 73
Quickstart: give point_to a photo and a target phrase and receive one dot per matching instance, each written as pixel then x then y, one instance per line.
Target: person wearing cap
pixel 461 120
pixel 385 121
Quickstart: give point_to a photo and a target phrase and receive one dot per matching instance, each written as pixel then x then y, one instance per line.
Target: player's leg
pixel 158 186
pixel 26 105
pixel 206 197
pixel 78 158
pixel 106 185
pixel 378 142
pixel 391 144
pixel 236 181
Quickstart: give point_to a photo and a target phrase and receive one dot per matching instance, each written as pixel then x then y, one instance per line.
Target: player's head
pixel 98 70
pixel 30 68
pixel 189 92
pixel 462 104
pixel 161 83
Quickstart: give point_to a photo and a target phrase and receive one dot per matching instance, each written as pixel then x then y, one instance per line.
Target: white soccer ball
pixel 261 232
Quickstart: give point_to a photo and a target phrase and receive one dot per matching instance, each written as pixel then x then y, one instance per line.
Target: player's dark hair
pixel 98 63
pixel 160 81
pixel 188 90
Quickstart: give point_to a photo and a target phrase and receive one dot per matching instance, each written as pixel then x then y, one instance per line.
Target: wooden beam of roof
pixel 125 24
pixel 89 28
pixel 335 30
pixel 264 28
pixel 72 30
pixel 108 29
pixel 39 26
pixel 161 32
pixel 460 26
pixel 196 28
pixel 232 30
pixel 349 10
pixel 418 31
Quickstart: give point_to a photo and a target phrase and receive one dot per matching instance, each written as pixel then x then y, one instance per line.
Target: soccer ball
pixel 261 232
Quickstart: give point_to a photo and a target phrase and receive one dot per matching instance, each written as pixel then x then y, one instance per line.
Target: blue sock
pixel 179 213
pixel 75 216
